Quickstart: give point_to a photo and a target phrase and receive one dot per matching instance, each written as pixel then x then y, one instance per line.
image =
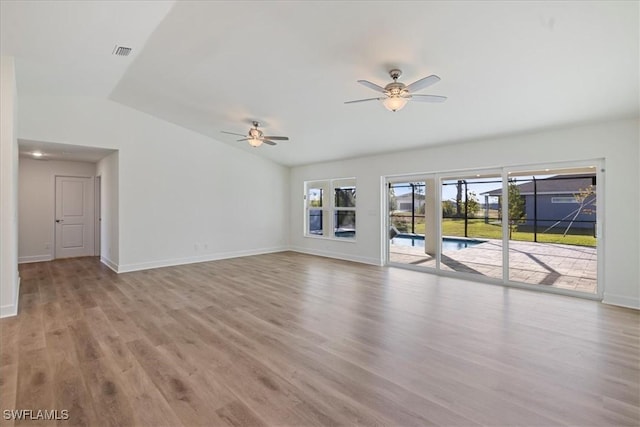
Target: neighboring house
pixel 405 203
pixel 558 203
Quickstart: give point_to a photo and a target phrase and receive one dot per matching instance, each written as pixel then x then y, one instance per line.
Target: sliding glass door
pixel 471 225
pixel 553 228
pixel 535 226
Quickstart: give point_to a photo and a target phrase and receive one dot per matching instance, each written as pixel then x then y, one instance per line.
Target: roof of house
pixel 407 196
pixel 557 184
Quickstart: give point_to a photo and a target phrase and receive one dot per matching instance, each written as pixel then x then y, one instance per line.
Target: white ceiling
pixel 507 67
pixel 64 47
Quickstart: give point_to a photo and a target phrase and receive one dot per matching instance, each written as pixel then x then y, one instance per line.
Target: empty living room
pixel 319 213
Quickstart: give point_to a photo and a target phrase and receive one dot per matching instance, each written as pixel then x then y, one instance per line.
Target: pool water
pixel 448 243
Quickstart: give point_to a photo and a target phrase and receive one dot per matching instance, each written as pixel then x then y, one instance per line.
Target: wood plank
pixel 35 384
pixel 236 414
pixel 8 390
pixel 70 392
pixel 112 405
pixel 151 408
pixel 53 316
pixel 87 347
pixel 176 388
pixel 9 333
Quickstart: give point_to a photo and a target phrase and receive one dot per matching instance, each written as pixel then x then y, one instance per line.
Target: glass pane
pixel 472 225
pixel 345 197
pixel 315 222
pixel 345 224
pixel 314 197
pixel 552 228
pixel 408 241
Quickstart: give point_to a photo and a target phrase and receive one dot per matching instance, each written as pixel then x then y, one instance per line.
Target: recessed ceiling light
pixel 37 154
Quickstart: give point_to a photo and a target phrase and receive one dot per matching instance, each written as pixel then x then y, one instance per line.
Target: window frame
pixel 328 208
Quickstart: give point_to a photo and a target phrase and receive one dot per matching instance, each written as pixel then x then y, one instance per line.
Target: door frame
pixel 386 180
pixel 97 211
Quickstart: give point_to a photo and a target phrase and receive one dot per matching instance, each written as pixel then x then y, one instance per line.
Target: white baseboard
pixel 337 255
pixel 125 268
pixel 112 265
pixel 11 309
pixel 35 258
pixel 621 301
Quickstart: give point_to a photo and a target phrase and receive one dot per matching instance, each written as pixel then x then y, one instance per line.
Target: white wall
pixel 9 278
pixel 108 171
pixel 617 142
pixel 36 204
pixel 183 197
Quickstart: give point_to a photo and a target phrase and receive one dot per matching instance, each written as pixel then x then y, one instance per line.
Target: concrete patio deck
pixel 547 264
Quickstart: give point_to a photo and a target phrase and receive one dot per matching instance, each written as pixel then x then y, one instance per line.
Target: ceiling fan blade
pixel 364 100
pixel 370 85
pixel 245 139
pixel 423 83
pixel 266 141
pixel 232 133
pixel 428 98
pixel 277 138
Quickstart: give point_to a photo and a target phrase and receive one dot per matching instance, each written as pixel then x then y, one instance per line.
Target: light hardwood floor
pixel 292 339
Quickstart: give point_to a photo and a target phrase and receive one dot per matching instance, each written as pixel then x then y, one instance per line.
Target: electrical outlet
pixel 195 246
pixel 206 246
pixel 47 245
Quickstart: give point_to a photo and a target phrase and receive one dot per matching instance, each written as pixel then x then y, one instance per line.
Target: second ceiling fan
pixel 256 138
pixel 397 94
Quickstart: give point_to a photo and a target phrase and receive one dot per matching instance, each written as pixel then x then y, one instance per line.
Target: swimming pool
pixel 448 243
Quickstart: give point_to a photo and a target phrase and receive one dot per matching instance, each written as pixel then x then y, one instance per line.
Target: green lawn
pixel 477 228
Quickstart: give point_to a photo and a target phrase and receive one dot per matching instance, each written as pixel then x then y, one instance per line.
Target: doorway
pixel 74 217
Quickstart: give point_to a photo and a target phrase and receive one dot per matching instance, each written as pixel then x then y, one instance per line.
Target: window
pixel 314 215
pixel 330 208
pixel 344 207
pixel 564 199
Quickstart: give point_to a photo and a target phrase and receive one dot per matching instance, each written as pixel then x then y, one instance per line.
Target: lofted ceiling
pixel 506 67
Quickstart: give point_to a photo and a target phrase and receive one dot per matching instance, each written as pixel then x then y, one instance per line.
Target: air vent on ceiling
pixel 121 50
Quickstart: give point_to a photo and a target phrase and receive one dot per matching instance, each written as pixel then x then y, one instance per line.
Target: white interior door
pixel 74 217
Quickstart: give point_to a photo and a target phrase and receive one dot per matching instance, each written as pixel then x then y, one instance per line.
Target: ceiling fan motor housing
pixel 395 89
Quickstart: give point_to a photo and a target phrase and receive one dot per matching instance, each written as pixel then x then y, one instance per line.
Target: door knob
pixel 59 220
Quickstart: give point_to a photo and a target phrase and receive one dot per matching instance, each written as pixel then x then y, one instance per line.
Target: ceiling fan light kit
pixel 254 142
pixel 394 103
pixel 397 94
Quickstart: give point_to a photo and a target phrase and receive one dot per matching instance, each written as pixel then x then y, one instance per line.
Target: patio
pixel 548 264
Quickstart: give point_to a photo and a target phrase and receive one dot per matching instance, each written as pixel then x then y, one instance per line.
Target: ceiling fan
pixel 396 94
pixel 256 138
